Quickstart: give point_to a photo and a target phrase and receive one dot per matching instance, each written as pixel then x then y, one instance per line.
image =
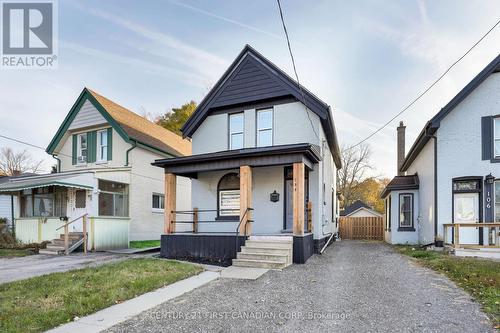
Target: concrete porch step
pixel 263 257
pixel 49 251
pixel 264 250
pixel 269 264
pixel 269 244
pixel 272 238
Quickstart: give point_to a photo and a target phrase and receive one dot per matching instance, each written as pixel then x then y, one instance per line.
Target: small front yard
pixel 479 277
pixel 144 244
pixel 11 253
pixel 43 302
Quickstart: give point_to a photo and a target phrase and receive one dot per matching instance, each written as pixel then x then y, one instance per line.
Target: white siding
pixel 87 116
pixel 459 143
pixel 363 212
pixel 424 167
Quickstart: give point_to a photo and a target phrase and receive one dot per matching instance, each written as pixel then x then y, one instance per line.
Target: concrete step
pixel 74 236
pixel 263 257
pixel 269 244
pixel 60 242
pixel 52 247
pixel 48 251
pixel 264 250
pixel 281 239
pixel 269 264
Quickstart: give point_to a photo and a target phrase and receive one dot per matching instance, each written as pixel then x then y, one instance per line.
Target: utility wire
pixel 62 154
pixel 426 90
pixel 295 69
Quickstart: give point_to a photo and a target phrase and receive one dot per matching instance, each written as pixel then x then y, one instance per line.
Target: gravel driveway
pixel 353 287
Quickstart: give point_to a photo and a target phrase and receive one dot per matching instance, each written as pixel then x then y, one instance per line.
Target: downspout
pixel 434 137
pixel 128 151
pixel 58 163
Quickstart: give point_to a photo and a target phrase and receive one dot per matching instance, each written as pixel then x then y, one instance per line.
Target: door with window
pixel 466 210
pixel 288 202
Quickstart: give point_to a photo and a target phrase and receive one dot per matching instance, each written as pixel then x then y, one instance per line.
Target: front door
pixel 466 210
pixel 288 209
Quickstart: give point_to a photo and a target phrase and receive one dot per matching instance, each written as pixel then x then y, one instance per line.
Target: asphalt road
pixel 353 287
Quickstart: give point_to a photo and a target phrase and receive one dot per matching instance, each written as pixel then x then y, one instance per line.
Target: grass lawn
pixel 10 253
pixel 43 302
pixel 144 244
pixel 479 277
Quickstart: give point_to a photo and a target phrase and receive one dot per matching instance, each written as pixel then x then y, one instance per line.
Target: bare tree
pixel 355 164
pixel 17 162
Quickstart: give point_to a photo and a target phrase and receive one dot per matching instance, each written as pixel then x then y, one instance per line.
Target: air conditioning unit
pixel 82 159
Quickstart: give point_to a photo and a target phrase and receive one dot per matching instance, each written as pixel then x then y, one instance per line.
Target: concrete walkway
pixel 13 269
pixel 352 287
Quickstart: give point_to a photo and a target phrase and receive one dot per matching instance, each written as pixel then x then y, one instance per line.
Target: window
pixel 497 201
pixel 44 202
pixel 102 145
pixel 496 136
pixel 264 127
pixel 82 148
pixel 405 211
pixel 158 201
pixel 80 198
pixel 228 194
pixel 388 213
pixel 236 130
pixel 113 199
pixel 466 185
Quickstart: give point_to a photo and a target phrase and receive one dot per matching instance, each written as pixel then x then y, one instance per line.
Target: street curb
pixel 118 313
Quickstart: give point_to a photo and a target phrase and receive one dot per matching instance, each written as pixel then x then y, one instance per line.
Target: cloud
pixel 167 46
pixel 151 67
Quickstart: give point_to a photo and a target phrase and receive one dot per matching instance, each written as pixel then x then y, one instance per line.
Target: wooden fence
pixel 369 228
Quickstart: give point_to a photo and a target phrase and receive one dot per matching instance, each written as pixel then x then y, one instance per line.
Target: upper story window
pixel 406 211
pixel 236 125
pixel 102 145
pixel 264 127
pixel 496 137
pixel 82 148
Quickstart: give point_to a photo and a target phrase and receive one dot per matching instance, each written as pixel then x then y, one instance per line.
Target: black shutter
pixel 486 137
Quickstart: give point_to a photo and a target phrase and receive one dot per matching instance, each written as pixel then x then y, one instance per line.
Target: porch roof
pixel 24 183
pixel 230 159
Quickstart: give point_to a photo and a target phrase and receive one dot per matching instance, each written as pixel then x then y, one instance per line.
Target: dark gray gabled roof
pixel 354 207
pixel 399 183
pixel 252 78
pixel 432 125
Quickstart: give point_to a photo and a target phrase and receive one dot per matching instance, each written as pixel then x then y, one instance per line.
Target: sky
pixel 367 59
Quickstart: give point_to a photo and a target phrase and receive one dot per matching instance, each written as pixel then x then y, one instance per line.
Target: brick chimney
pixel 401 146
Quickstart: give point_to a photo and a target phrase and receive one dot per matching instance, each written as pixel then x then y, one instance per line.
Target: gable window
pixel 496 137
pixel 228 196
pixel 264 127
pixel 236 130
pixel 158 201
pixel 82 148
pixel 406 211
pixel 113 199
pixel 102 145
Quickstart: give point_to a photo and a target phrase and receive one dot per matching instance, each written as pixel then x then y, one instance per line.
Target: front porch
pixel 473 239
pixel 254 192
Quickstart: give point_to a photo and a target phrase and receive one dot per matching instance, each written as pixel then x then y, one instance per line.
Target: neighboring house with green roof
pixel 104 154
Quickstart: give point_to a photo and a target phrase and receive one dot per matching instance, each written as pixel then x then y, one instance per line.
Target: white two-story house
pixel 448 189
pixel 265 155
pixel 104 154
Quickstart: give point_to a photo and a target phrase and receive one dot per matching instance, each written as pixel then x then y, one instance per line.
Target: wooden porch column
pixel 170 204
pixel 298 198
pixel 245 199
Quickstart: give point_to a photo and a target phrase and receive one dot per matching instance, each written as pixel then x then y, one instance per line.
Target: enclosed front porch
pixel 249 192
pixel 63 206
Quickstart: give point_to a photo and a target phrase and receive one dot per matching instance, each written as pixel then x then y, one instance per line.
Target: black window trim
pixel 412 227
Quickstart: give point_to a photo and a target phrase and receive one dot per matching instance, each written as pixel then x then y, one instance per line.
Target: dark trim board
pixel 303 248
pixel 203 248
pixel 319 243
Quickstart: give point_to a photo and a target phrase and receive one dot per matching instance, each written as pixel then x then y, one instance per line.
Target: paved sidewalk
pixel 13 269
pixel 352 287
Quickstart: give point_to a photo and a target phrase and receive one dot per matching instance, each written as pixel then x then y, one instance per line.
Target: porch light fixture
pixel 489 179
pixel 274 197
